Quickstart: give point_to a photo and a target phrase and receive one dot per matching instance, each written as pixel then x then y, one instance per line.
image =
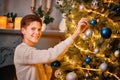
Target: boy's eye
pixel 39 29
pixel 36 29
pixel 32 28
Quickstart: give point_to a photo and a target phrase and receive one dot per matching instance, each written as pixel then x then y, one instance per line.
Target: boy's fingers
pixel 83 24
pixel 83 20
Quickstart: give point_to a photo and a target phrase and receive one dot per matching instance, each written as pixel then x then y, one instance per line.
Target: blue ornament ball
pixel 56 64
pixel 93 22
pixel 118 10
pixel 106 32
pixel 88 60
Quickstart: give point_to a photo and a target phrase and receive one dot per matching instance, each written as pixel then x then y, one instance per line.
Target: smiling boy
pixel 28 60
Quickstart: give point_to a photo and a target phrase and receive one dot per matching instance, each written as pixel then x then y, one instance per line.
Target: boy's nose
pixel 36 31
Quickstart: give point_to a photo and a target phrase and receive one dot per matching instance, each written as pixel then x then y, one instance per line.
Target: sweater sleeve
pixel 28 55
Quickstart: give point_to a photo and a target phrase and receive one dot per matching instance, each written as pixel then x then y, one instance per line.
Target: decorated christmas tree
pixel 95 54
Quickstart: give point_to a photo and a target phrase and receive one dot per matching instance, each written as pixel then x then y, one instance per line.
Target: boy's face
pixel 32 33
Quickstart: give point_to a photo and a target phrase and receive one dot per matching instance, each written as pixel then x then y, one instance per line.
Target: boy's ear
pixel 23 30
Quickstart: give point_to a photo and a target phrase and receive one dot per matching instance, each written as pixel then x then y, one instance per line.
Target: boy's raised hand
pixel 83 24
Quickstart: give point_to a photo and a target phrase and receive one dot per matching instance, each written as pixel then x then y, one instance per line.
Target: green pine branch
pixel 41 13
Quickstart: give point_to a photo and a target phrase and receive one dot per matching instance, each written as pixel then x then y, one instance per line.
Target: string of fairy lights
pixel 89 46
pixel 98 36
pixel 107 59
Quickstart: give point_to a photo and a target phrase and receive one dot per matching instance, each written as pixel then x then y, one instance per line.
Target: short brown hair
pixel 26 20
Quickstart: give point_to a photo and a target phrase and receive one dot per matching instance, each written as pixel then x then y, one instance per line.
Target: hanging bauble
pixel 106 32
pixel 58 73
pixel 56 64
pixel 71 76
pixel 103 67
pixel 118 10
pixel 96 50
pixel 93 22
pixel 81 7
pixel 84 37
pixel 87 75
pixel 95 4
pixel 88 32
pixel 88 60
pixel 117 53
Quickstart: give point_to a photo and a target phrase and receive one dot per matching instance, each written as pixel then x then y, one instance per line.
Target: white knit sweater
pixel 29 60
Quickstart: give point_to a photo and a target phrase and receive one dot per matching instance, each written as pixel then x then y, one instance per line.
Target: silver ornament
pixel 81 7
pixel 84 37
pixel 71 76
pixel 96 50
pixel 103 67
pixel 87 75
pixel 117 53
pixel 88 32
